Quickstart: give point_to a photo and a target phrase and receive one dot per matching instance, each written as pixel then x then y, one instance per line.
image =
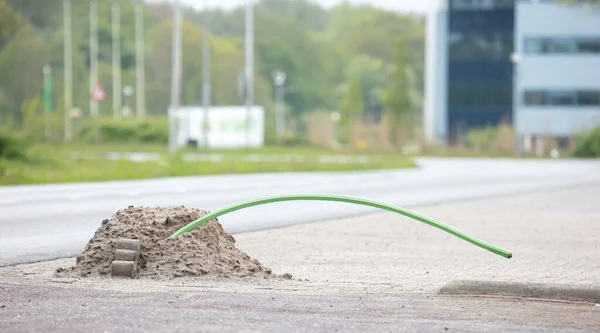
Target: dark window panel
pixel 588 46
pixel 588 97
pixel 562 46
pixel 536 45
pixel 535 97
pixel 479 67
pixel 483 97
pixel 480 4
pixel 481 71
pixel 480 46
pixel 545 45
pixel 496 20
pixel 561 98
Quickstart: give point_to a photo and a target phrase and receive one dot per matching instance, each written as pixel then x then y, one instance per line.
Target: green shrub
pixel 481 139
pixel 589 144
pixel 294 140
pixel 12 147
pixel 151 130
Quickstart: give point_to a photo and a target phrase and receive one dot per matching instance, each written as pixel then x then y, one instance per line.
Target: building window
pixel 535 97
pixel 588 97
pixel 561 98
pixel 477 46
pixel 480 4
pixel 561 45
pixel 480 96
pixel 535 46
pixel 588 46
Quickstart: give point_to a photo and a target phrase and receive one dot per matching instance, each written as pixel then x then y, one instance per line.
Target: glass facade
pixel 480 73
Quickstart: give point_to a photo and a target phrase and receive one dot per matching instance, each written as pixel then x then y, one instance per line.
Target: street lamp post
pixel 140 76
pixel 279 78
pixel 68 68
pixel 206 87
pixel 175 78
pixel 249 70
pixel 116 55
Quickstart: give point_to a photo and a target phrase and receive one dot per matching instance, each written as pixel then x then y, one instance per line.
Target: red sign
pixel 98 95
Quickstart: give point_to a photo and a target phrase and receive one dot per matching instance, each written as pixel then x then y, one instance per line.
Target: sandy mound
pixel 206 250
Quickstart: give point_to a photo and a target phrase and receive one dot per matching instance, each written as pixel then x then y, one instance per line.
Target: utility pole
pixel 175 77
pixel 116 55
pixel 205 84
pixel 94 63
pixel 68 67
pixel 140 74
pixel 176 57
pixel 249 71
pixel 279 78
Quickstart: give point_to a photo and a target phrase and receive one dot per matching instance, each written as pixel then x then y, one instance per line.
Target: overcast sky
pixel 395 5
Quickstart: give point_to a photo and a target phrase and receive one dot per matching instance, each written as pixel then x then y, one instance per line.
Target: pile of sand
pixel 206 250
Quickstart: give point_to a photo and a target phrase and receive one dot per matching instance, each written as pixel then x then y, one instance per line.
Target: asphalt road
pixel 53 221
pixel 55 309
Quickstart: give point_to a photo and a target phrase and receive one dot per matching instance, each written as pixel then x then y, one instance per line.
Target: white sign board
pixel 226 126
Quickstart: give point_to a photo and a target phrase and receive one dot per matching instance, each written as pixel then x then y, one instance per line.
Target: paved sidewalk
pixel 554 238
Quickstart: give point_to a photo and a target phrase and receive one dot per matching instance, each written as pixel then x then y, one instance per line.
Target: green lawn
pixel 52 164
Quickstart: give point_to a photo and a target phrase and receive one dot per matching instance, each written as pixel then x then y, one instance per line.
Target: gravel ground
pixel 379 272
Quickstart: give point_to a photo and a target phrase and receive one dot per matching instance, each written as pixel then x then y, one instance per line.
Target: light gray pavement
pixel 54 221
pixel 379 273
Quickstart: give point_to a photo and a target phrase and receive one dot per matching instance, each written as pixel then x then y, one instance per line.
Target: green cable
pixel 340 198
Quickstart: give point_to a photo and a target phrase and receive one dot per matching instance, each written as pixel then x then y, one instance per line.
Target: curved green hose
pixel 340 198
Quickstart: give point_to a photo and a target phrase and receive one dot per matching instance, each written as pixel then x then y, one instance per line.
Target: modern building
pixel 532 64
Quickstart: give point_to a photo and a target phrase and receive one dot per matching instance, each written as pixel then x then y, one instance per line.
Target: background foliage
pixel 346 58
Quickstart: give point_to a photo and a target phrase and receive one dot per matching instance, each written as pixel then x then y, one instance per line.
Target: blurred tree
pixel 397 98
pixel 372 73
pixel 21 63
pixel 40 14
pixel 285 45
pixel 351 106
pixel 10 22
pixel 320 50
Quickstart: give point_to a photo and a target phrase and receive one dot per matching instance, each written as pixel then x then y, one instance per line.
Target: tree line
pixel 355 59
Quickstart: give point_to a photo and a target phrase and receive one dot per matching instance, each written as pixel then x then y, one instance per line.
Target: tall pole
pixel 279 78
pixel 279 112
pixel 205 84
pixel 176 57
pixel 175 77
pixel 47 100
pixel 140 75
pixel 94 62
pixel 249 55
pixel 68 67
pixel 116 55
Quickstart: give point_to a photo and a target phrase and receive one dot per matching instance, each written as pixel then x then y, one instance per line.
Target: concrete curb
pixel 518 289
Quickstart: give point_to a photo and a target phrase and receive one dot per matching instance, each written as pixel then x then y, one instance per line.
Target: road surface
pixel 53 221
pixel 373 273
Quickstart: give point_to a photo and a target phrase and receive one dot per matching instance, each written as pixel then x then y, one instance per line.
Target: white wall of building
pixel 556 71
pixel 436 68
